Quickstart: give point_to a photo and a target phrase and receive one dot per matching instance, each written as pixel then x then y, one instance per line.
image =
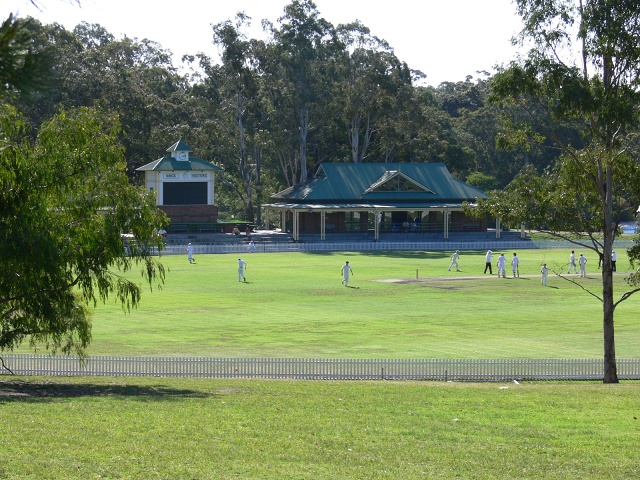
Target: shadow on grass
pixel 19 390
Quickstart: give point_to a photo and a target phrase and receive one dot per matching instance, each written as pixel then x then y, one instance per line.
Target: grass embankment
pixel 200 429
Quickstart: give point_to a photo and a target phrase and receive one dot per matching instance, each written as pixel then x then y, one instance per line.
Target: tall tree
pixel 64 203
pixel 584 72
pixel 239 91
pixel 24 64
pixel 304 45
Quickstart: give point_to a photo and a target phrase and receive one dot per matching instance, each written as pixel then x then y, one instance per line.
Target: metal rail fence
pixel 461 370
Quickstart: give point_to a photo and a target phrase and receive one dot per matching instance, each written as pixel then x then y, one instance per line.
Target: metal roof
pixel 172 164
pixel 179 146
pixel 361 182
pixel 363 206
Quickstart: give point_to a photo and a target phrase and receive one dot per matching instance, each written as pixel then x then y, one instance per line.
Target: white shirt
pixel 501 261
pixel 241 264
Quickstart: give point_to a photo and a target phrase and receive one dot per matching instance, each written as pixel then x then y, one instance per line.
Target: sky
pixel 445 39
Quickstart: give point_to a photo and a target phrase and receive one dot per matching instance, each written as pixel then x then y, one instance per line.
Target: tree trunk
pixel 354 138
pixel 258 158
pixel 304 129
pixel 608 306
pixel 245 169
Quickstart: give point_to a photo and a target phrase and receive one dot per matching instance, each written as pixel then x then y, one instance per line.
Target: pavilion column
pixel 498 228
pixel 296 227
pixel 522 232
pixel 323 216
pixel 266 219
pixel 283 221
pixel 377 216
pixel 446 223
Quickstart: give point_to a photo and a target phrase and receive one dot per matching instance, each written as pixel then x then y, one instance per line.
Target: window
pixel 185 193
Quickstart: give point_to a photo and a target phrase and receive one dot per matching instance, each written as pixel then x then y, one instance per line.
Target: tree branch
pixel 571 280
pixel 4 366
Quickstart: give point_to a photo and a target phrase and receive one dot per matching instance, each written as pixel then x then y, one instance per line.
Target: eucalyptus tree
pixel 406 130
pixel 299 64
pixel 239 96
pixel 475 123
pixel 364 86
pixel 132 77
pixel 583 71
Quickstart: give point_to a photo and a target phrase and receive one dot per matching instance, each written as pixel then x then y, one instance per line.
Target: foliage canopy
pixel 583 74
pixel 65 200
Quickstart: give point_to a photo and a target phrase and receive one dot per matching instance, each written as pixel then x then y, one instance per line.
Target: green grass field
pixel 139 428
pixel 295 306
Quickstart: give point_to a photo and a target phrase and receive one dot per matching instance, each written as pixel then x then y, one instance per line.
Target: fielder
pixel 572 262
pixel 454 260
pixel 582 260
pixel 501 263
pixel 515 261
pixel 346 272
pixel 242 265
pixel 545 273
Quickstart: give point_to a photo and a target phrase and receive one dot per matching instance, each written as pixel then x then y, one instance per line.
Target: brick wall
pixel 191 213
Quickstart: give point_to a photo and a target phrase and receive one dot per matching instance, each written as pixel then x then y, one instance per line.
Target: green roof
pixel 171 164
pixel 382 182
pixel 179 146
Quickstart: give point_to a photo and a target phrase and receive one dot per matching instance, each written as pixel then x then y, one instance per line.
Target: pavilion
pixel 375 198
pixel 184 185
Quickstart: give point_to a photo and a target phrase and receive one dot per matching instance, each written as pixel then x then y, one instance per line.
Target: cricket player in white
pixel 454 261
pixel 582 260
pixel 346 272
pixel 502 266
pixel 572 263
pixel 514 265
pixel 242 265
pixel 190 253
pixel 545 272
pixel 614 259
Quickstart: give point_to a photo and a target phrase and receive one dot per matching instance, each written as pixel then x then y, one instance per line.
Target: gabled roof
pixel 372 182
pixel 172 164
pixel 394 180
pixel 179 146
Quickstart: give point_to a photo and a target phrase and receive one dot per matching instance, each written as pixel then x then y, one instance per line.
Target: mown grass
pixel 199 429
pixel 295 306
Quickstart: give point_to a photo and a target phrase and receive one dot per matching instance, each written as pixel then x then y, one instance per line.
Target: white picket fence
pixel 354 246
pixel 477 370
pixel 349 247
